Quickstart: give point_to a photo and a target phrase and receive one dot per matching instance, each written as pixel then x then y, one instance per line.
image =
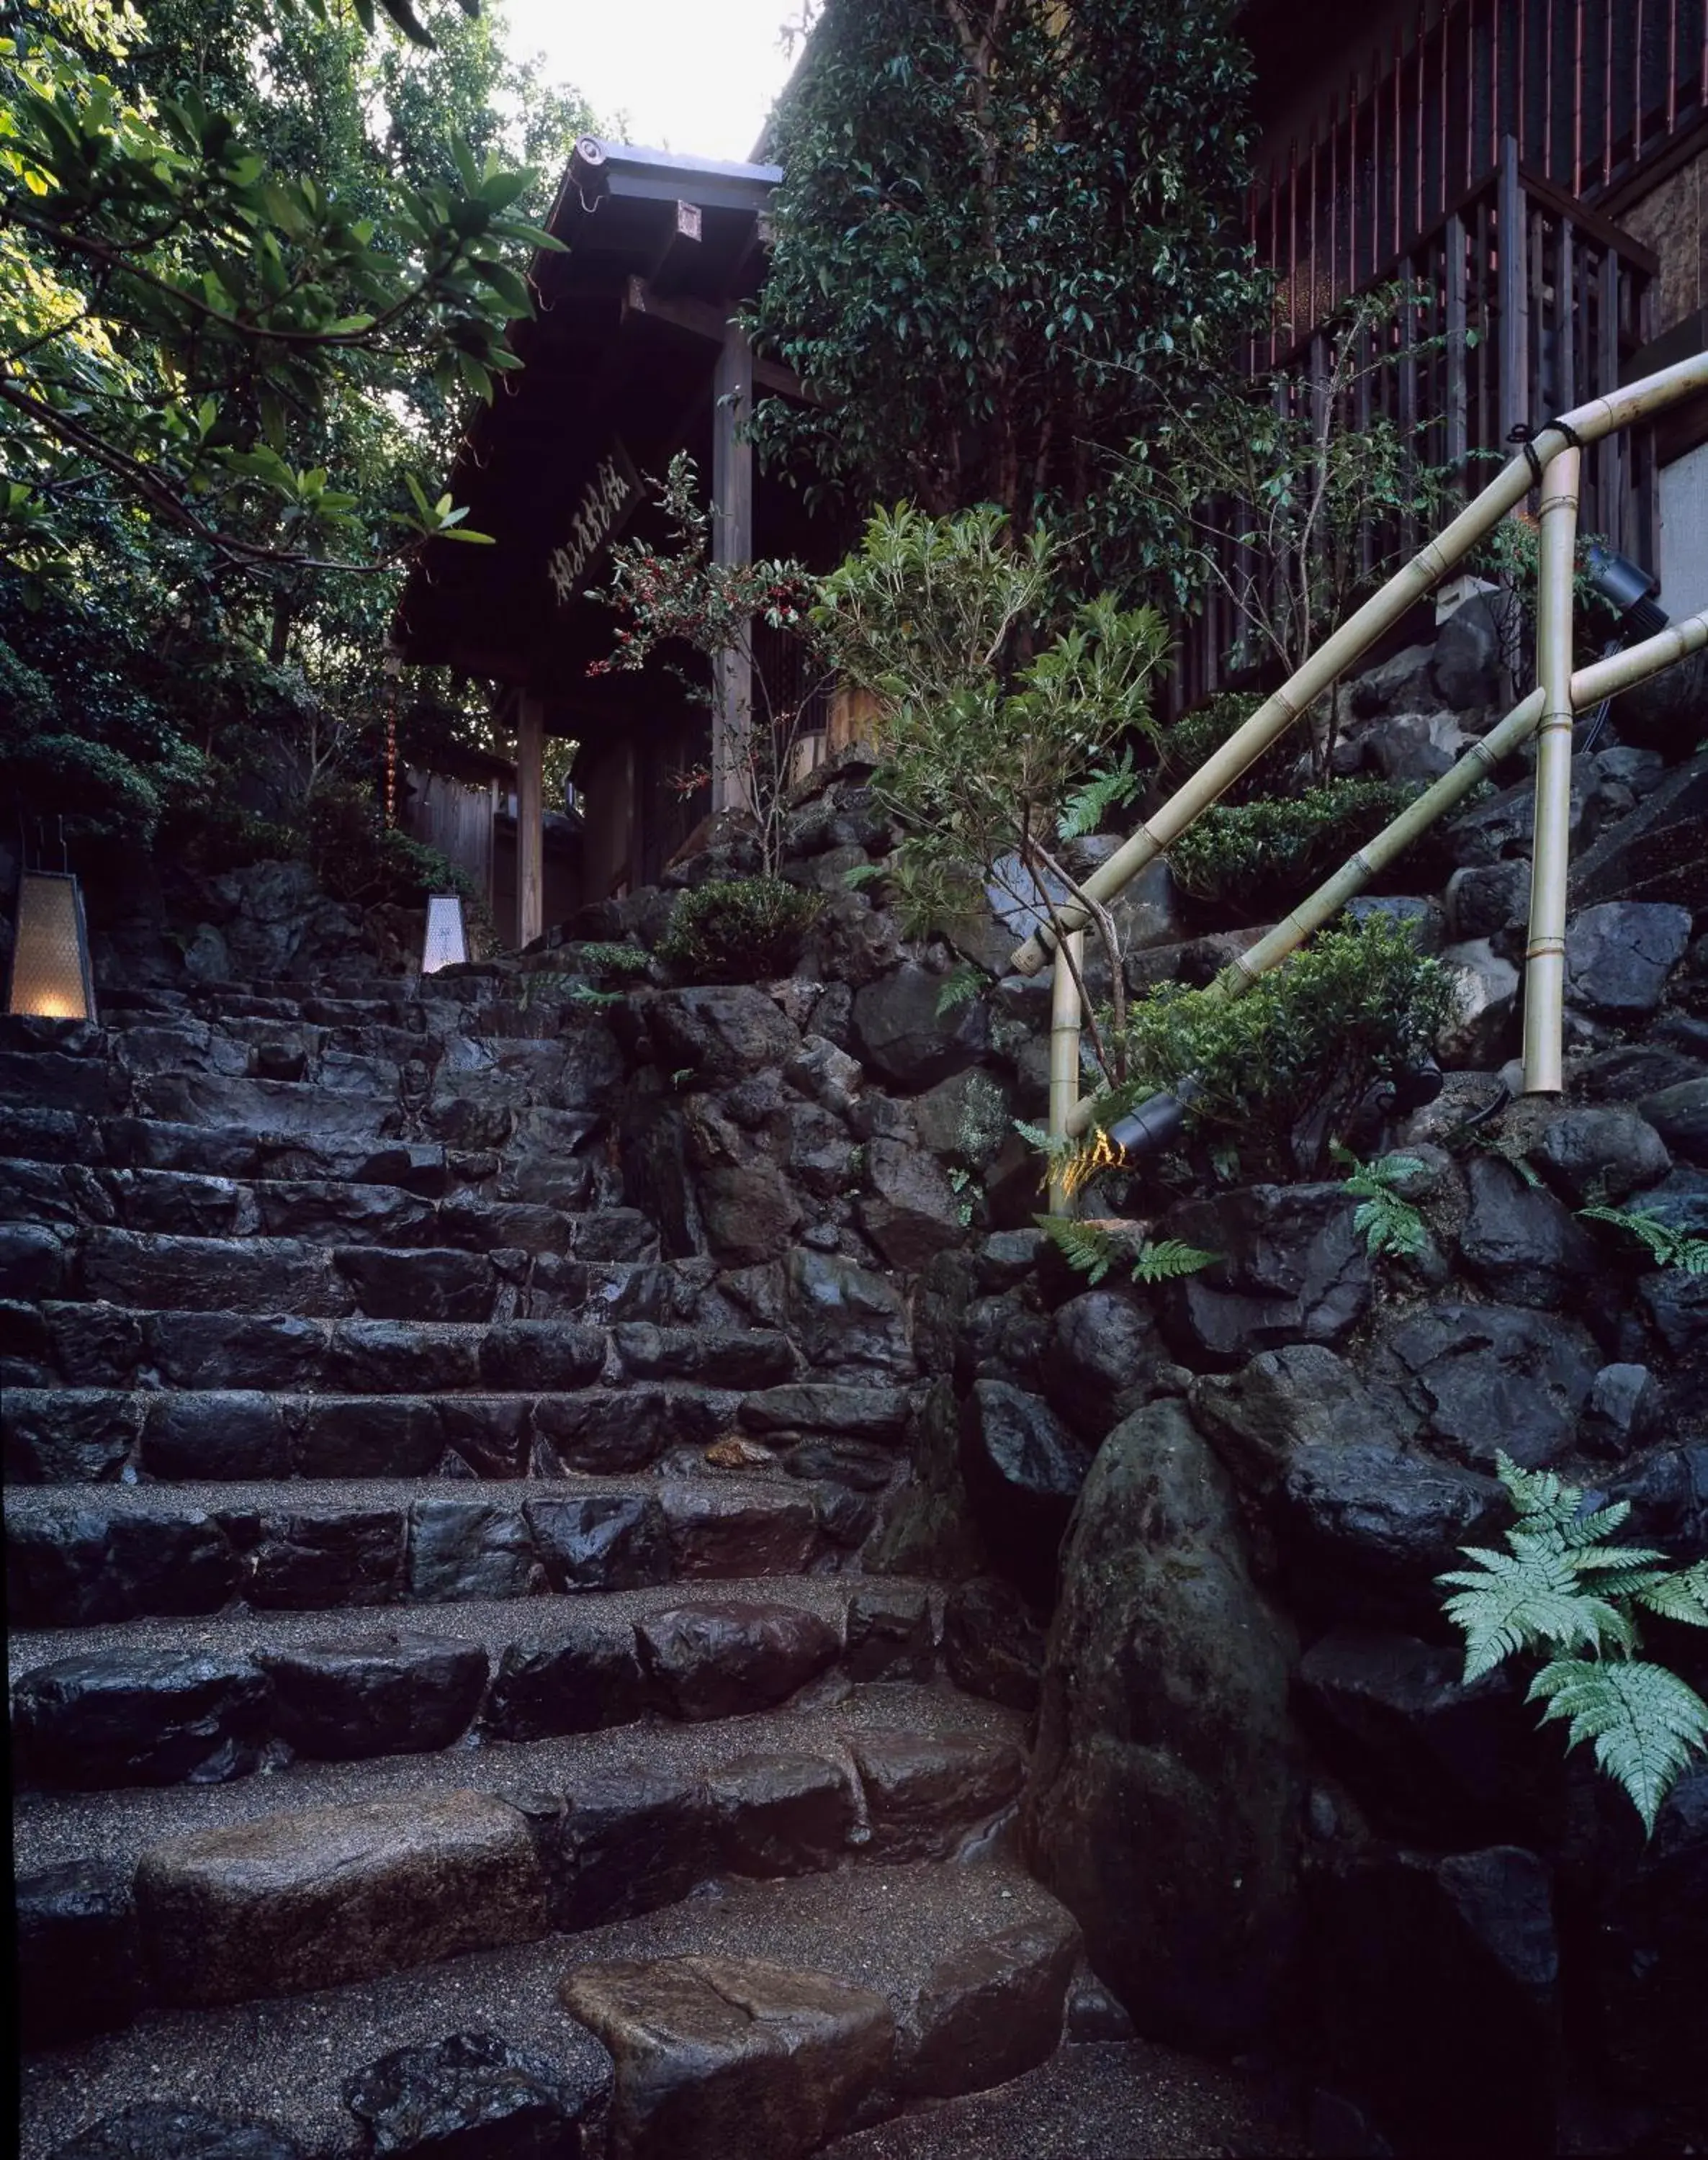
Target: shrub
pixel 1279 1072
pixel 1183 748
pixel 358 858
pixel 1239 854
pixel 739 930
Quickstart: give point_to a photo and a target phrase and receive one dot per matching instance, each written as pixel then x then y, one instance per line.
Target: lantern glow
pixel 50 972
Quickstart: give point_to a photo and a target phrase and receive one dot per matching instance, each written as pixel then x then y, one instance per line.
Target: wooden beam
pixel 530 817
pixel 700 318
pixel 732 542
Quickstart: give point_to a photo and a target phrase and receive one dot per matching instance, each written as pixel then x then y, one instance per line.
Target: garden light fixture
pixel 51 978
pixel 446 944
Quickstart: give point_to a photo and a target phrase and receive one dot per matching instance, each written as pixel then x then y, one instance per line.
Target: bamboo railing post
pixel 1064 1051
pixel 1545 955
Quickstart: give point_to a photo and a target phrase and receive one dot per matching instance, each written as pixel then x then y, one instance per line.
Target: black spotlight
pixel 1629 590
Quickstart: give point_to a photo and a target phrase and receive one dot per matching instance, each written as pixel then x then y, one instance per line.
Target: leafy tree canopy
pixel 1005 226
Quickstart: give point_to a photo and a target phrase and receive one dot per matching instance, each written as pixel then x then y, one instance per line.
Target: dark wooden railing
pixel 1526 304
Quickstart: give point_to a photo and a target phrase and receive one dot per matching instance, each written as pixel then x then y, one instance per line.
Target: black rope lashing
pixel 1527 437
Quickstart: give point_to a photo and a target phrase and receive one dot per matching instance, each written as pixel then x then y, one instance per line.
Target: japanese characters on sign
pixel 607 503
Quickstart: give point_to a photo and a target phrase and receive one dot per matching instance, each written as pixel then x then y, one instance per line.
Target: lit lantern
pixel 50 972
pixel 446 946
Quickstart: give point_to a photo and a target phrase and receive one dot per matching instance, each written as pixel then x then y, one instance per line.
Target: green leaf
pixel 962 985
pixel 1646 1724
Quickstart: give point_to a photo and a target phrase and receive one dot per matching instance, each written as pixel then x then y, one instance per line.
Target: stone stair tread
pixel 894 1930
pixel 494 1622
pixel 304 1495
pixel 1119 2100
pixel 118 1826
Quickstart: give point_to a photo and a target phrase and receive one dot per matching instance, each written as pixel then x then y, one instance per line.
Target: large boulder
pixel 1102 1362
pixel 723 1035
pixel 910 1214
pixel 1164 1801
pixel 1519 1241
pixel 1481 1378
pixel 1291 1268
pixel 901 1034
pixel 1619 954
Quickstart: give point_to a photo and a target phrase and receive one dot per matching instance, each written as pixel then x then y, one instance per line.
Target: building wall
pixel 1673 220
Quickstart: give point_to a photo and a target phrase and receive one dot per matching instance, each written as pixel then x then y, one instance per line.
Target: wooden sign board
pixel 608 501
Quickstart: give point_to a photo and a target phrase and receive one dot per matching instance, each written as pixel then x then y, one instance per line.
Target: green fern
pixel 1093 1249
pixel 1563 1587
pixel 961 986
pixel 1667 1247
pixel 1645 1723
pixel 1087 807
pixel 1390 1222
pixel 865 874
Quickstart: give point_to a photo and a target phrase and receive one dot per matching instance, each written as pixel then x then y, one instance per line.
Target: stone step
pixel 162 1702
pixel 320 1211
pixel 90 1556
pixel 334 1872
pixel 213 1150
pixel 502 1407
pixel 973 1998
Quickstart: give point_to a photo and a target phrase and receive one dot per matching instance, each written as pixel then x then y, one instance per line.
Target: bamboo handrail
pixel 1544 954
pixel 1589 685
pixel 1588 423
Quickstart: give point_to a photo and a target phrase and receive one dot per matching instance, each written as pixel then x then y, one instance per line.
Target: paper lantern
pixel 50 973
pixel 446 945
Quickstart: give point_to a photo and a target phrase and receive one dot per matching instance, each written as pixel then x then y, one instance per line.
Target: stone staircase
pixel 447 1712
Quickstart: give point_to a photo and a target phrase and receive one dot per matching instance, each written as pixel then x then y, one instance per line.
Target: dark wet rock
pixel 1624 1408
pixel 1679 1115
pixel 720 1659
pixel 1504 823
pixel 368 1436
pixel 731 2055
pixel 79 1960
pixel 899 1032
pixel 229 1350
pixel 599 1540
pixel 889 1632
pixel 57 1437
pixel 1482 902
pixel 629 1838
pixel 604 1431
pixel 990 2012
pixel 95 1346
pixel 581 1682
pixel 397 1693
pixel 1260 1416
pixel 304 1561
pixel 1164 1798
pixel 155 2130
pixel 1618 956
pixel 208 1275
pixel 1667 1490
pixel 925 1793
pixel 1601 1154
pixel 912 1213
pixel 715 1357
pixel 714 1532
pixel 1024 1469
pixel 1484 1377
pixel 878 1415
pixel 321 1897
pixel 1006 1258
pixel 851 1463
pixel 1003 1338
pixel 846 1316
pixel 1519 1240
pixel 813 1148
pixel 1676 1305
pixel 139 1718
pixel 1480 1025
pixel 215 1436
pixel 723 1035
pixel 1428 1756
pixel 474 2096
pixel 540 1356
pixel 1101 1364
pixel 994 1642
pixel 1427 1961
pixel 749 1211
pixel 965 1118
pixel 781 1813
pixel 490 1435
pixel 1292 1269
pixel 927 1526
pixel 847 1518
pixel 81 1569
pixel 433 1284
pixel 467 1548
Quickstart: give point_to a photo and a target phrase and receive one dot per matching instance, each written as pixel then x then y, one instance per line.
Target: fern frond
pixel 1679 1596
pixel 960 987
pixel 1667 1246
pixel 1087 807
pixel 1538 1496
pixel 1390 1224
pixel 1170 1259
pixel 1088 1249
pixel 1528 1601
pixel 1645 1722
pixel 865 874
